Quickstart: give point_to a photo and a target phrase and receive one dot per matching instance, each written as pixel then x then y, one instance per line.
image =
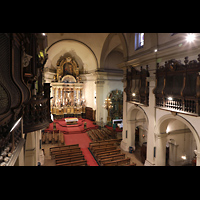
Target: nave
pixel 83 142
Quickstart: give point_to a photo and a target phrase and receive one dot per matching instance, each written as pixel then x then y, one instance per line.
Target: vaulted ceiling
pixel 91 50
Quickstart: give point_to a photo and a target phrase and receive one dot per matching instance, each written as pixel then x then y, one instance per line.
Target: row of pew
pixel 101 134
pixel 53 137
pixel 107 153
pixel 68 155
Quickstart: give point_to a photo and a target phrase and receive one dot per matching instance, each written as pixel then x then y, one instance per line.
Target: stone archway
pixel 173 129
pixel 136 117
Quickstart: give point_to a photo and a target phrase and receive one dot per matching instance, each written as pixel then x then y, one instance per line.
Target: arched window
pixel 139 40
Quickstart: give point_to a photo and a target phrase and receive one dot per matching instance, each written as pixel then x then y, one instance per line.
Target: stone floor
pixel 135 156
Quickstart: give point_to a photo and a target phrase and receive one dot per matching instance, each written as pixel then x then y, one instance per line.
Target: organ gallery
pixel 67 90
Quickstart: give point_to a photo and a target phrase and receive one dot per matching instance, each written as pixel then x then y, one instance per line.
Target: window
pixel 139 40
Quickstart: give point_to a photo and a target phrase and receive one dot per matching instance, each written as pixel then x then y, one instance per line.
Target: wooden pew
pixel 92 136
pixel 68 154
pixel 54 153
pixel 112 158
pixel 63 147
pixel 107 153
pixel 61 138
pixel 105 141
pixel 102 149
pixel 74 163
pixel 122 162
pixel 98 133
pixel 70 159
pixel 133 164
pixel 94 132
pixel 101 146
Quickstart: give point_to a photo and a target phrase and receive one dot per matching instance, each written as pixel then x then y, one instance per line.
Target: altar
pixel 67 90
pixel 71 121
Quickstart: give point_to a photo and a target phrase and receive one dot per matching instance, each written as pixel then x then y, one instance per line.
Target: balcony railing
pixel 178 86
pixel 36 115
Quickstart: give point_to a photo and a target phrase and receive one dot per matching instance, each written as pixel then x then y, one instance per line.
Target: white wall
pixel 89 90
pixel 169 47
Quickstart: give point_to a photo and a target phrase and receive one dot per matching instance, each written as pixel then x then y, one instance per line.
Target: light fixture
pixel 43 34
pixel 16 124
pixel 170 98
pixel 190 37
pixel 184 157
pixel 167 130
pixel 155 50
pixel 133 94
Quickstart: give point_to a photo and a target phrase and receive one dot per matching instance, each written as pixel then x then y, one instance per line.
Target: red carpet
pixel 83 140
pixel 72 129
pixel 75 134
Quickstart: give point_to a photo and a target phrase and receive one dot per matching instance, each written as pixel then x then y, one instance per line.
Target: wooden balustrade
pixel 36 115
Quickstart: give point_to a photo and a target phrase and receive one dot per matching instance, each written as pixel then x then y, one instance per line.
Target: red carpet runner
pixel 83 140
pixel 75 134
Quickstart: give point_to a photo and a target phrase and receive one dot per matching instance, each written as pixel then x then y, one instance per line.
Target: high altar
pixel 67 90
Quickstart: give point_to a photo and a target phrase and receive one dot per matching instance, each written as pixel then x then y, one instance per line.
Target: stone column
pixel 161 140
pixel 124 141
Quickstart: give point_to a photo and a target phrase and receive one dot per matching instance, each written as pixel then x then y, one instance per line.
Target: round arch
pixel 80 51
pixel 135 110
pixel 161 134
pixel 136 117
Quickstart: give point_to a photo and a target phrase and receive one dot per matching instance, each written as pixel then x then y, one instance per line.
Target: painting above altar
pixel 67 66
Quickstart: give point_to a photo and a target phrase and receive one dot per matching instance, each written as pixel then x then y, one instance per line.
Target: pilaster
pixel 99 100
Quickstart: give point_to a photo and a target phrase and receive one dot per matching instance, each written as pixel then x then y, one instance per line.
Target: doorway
pixel 175 143
pixel 140 143
pixel 137 128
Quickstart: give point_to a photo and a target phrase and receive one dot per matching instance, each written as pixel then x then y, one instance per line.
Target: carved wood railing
pixel 36 115
pixel 178 86
pixel 137 89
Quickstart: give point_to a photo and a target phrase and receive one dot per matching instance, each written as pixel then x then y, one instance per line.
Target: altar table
pixel 71 120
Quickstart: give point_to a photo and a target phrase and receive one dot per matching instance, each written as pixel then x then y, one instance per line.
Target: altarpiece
pixel 67 90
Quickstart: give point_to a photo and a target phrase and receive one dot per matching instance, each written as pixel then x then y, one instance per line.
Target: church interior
pixel 99 99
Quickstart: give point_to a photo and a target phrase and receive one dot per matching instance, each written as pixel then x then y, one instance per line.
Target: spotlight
pixel 184 157
pixel 155 50
pixel 170 98
pixel 190 37
pixel 133 94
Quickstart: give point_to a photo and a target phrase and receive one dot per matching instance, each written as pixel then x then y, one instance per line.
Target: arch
pixel 106 51
pixel 136 117
pixel 184 121
pixel 68 79
pixel 82 53
pixel 135 111
pixel 161 135
pixel 76 41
